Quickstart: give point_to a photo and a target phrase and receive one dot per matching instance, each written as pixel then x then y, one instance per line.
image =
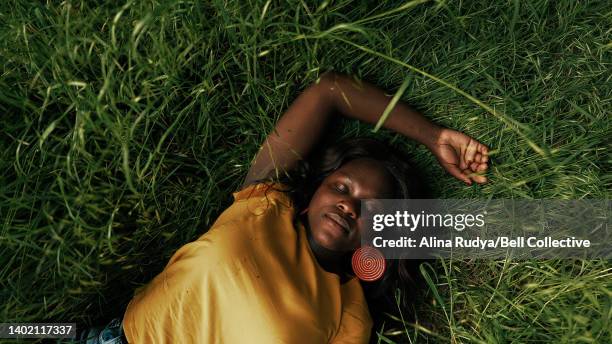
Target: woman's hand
pixel 461 156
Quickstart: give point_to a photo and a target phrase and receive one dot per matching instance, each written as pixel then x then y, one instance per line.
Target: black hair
pixel 305 179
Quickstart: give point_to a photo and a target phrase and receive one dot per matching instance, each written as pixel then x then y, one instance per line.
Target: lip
pixel 340 221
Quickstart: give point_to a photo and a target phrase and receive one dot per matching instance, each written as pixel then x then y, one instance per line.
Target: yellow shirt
pixel 252 278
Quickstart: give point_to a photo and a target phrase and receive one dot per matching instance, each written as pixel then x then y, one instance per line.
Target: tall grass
pixel 124 127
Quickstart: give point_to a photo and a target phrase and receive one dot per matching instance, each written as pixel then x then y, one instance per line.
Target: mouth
pixel 340 221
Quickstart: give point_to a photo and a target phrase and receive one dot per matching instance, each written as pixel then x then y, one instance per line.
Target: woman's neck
pixel 329 260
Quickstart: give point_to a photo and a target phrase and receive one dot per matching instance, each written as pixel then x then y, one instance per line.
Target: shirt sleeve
pixel 256 200
pixel 356 323
pixel 267 189
pixel 354 329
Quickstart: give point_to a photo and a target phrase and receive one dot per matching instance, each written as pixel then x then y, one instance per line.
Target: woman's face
pixel 334 210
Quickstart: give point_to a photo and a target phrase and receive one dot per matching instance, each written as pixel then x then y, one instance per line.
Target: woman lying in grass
pixel 275 266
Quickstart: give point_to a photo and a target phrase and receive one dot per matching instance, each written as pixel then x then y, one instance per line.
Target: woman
pixel 273 267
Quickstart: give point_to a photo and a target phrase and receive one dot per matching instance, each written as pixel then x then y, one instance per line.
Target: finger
pixel 479 179
pixel 478 167
pixel 473 176
pixel 474 167
pixel 462 161
pixel 456 172
pixel 470 152
pixel 476 174
pixel 469 174
pixel 483 149
pixel 483 154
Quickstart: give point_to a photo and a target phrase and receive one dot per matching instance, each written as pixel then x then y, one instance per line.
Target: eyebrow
pixel 348 176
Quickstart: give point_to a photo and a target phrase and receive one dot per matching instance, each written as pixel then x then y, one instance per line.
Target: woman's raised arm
pixel 295 134
pixel 298 130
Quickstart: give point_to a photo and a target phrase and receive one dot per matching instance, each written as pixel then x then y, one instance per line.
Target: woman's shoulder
pixel 266 190
pixel 256 205
pixel 256 200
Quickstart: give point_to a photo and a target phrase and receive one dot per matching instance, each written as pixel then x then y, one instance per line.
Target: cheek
pixel 313 210
pixel 318 200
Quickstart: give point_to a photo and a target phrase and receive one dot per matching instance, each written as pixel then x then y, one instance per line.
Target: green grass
pixel 124 127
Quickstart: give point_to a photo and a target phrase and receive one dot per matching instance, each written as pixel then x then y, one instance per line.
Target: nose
pixel 350 207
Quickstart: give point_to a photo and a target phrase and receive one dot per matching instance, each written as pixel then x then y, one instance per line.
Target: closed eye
pixel 341 188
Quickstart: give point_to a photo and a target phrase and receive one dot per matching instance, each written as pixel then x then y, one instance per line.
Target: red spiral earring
pixel 368 263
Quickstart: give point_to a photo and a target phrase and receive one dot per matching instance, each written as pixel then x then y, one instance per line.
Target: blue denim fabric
pixel 110 334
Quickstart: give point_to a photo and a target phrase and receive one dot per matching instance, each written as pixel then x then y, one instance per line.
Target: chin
pixel 326 242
